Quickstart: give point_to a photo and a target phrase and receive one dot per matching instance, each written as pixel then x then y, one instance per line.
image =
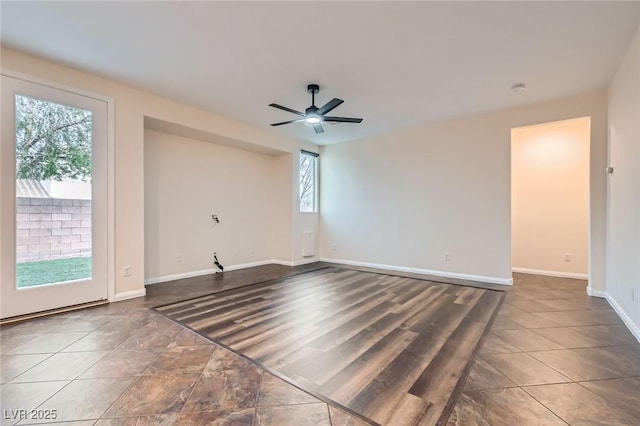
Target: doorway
pixel 53 167
pixel 550 198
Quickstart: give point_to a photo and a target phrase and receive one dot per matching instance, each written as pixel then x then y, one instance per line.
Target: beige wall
pixel 186 181
pixel 131 107
pixel 290 223
pixel 403 199
pixel 550 198
pixel 283 208
pixel 399 199
pixel 623 243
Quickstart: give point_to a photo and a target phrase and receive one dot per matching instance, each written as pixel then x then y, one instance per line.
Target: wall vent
pixel 308 243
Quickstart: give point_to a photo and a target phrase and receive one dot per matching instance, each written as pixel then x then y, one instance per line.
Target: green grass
pixel 31 274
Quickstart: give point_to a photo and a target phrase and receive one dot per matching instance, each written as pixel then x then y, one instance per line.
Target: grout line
pixel 329 415
pixel 539 402
pixel 219 346
pixel 448 406
pixel 279 375
pixel 135 379
pixel 464 376
pixel 476 412
pixel 255 405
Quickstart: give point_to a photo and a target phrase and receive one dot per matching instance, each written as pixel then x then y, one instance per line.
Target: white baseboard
pixel 118 297
pixel 191 274
pixel 248 265
pixel 305 261
pixel 295 262
pixel 551 273
pixel 633 328
pixel 596 293
pixel 444 274
pixel 173 277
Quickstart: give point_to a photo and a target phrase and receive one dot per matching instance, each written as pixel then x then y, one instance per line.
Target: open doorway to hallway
pixel 550 198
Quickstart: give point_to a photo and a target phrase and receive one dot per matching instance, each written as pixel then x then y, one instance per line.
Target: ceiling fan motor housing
pixel 314 115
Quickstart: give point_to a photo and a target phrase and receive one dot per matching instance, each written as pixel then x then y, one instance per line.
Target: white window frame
pixel 315 159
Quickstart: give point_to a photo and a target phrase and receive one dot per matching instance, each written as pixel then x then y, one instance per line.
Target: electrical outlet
pixel 445 256
pixel 567 257
pixel 179 257
pixel 333 247
pixel 127 271
pixel 633 293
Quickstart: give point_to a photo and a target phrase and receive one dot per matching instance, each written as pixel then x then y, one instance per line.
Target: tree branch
pixel 55 129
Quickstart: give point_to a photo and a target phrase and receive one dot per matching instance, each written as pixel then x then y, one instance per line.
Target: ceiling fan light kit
pixel 316 116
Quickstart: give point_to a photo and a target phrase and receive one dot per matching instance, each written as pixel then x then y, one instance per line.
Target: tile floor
pixel 554 356
pixel 124 364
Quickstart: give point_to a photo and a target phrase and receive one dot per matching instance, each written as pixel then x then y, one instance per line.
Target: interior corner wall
pixel 406 198
pixel 290 223
pixel 550 198
pixel 131 106
pixel 623 222
pixel 186 182
pixel 303 221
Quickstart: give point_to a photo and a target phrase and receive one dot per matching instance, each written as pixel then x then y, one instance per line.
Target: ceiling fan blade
pixel 343 119
pixel 329 106
pixel 318 128
pixel 287 109
pixel 287 122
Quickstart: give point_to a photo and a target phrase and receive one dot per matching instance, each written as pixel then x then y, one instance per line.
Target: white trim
pixel 111 198
pixel 304 261
pixel 129 295
pixel 551 273
pixel 191 274
pixel 107 287
pixel 596 293
pixel 295 262
pixel 54 85
pixel 173 277
pixel 444 274
pixel 111 167
pixel 247 265
pixel 633 328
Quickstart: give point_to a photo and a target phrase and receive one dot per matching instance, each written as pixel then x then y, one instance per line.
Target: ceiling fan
pixel 314 115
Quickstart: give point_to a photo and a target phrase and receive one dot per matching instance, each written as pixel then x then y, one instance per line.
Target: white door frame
pixel 588 276
pixel 111 290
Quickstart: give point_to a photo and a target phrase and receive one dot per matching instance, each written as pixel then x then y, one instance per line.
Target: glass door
pixel 53 167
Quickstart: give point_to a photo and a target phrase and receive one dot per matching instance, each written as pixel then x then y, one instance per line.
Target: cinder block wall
pixel 52 228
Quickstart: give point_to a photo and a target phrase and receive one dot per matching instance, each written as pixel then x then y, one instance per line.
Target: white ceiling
pixel 395 64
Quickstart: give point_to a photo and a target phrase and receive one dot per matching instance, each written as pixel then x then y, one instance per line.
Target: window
pixel 308 181
pixel 53 180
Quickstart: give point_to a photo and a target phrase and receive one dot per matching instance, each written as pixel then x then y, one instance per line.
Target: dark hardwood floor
pixel 553 356
pixel 390 348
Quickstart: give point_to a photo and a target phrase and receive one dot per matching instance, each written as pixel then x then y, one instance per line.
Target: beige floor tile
pixel 523 369
pixel 577 405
